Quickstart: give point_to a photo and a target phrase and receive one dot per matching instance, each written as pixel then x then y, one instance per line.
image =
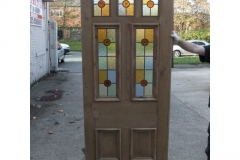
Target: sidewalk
pixel 57 124
pixel 58 131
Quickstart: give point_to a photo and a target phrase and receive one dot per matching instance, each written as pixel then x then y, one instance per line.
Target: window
pixel 56 13
pixel 201 43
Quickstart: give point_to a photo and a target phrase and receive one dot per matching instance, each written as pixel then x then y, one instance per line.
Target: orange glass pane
pixel 139 76
pixel 125 3
pixel 144 42
pixel 102 76
pixel 150 4
pixel 107 83
pixel 149 35
pixel 144 83
pixel 106 42
pixel 102 35
pixel 105 10
pixel 101 3
pixel 130 10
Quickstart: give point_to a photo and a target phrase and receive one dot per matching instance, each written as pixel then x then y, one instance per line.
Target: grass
pixel 187 60
pixel 77 46
pixel 74 45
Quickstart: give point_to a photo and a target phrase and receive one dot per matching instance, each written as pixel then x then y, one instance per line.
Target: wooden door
pixel 126 51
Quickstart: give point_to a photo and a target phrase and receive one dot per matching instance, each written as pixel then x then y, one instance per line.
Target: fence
pixel 70 33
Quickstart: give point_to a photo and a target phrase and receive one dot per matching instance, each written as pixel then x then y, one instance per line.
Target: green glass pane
pixel 149 76
pixel 139 49
pixel 139 62
pixel 102 49
pixel 102 63
pixel 102 90
pixel 149 49
pixel 111 35
pixel 111 62
pixel 97 10
pixel 112 49
pixel 148 90
pixel 112 90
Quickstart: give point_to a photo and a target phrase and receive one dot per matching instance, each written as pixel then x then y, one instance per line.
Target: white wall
pixel 39 54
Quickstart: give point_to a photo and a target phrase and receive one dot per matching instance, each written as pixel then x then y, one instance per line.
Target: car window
pixel 201 43
pixel 194 42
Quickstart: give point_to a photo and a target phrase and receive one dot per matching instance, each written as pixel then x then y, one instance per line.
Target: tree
pixel 70 10
pixel 191 14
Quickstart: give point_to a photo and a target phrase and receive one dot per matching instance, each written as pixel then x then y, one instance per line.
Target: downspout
pixel 47 36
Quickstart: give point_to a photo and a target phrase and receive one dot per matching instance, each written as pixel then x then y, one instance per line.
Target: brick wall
pixel 38 44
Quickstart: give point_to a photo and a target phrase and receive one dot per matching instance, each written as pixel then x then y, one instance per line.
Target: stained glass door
pixel 126 51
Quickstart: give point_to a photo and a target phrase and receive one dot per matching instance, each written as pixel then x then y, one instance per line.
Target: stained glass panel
pixel 126 7
pixel 101 7
pixel 150 7
pixel 107 62
pixel 144 62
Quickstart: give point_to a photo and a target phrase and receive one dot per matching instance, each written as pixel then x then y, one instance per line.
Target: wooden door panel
pixel 108 144
pixel 143 143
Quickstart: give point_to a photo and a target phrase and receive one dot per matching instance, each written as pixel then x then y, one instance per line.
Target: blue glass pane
pixel 139 90
pixel 112 76
pixel 148 62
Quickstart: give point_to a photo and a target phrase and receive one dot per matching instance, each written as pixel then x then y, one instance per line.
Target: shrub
pixel 200 34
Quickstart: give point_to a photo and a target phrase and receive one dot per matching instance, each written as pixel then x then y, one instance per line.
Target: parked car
pixel 60 51
pixel 65 47
pixel 178 51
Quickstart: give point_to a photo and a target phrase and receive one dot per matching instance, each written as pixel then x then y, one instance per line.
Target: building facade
pixel 39 40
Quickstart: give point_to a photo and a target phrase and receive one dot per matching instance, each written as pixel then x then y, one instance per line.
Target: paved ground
pixel 56 125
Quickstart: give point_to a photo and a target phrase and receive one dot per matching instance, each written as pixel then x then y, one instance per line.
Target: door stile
pixel 164 83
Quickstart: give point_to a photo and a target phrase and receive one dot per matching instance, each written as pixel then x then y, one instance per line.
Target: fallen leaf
pixel 34 117
pixel 56 123
pixel 50 132
pixel 60 111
